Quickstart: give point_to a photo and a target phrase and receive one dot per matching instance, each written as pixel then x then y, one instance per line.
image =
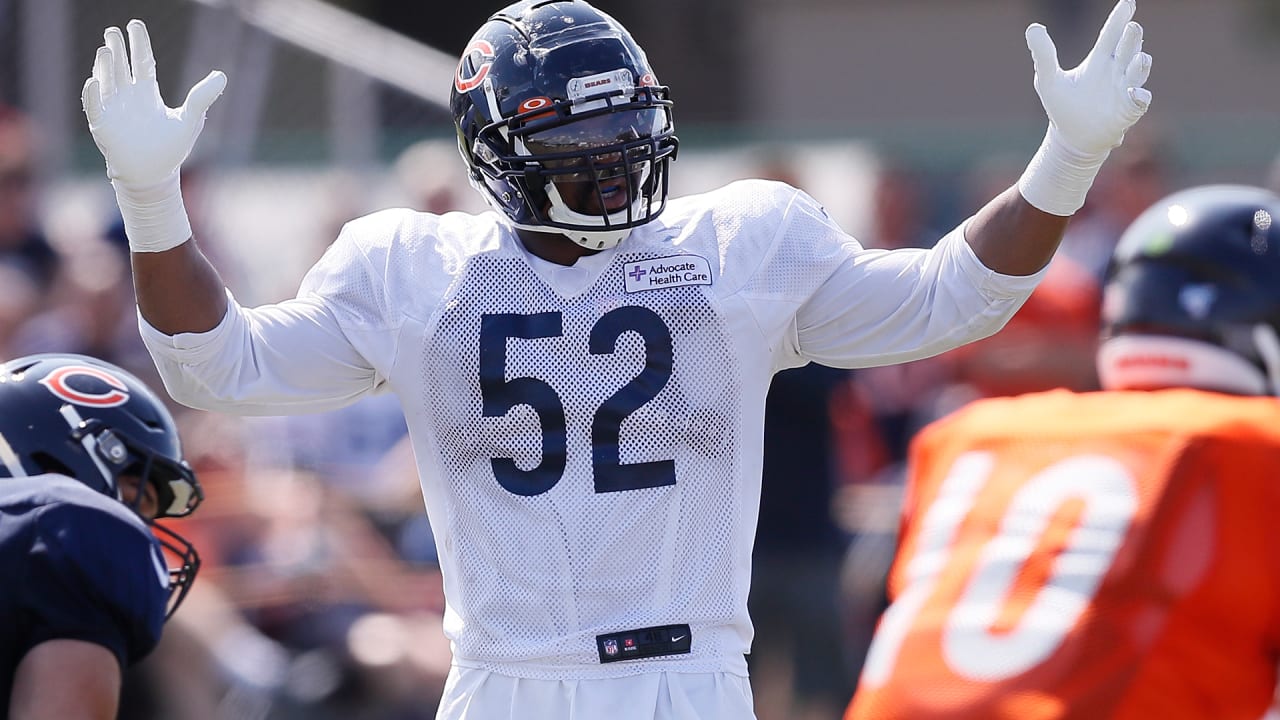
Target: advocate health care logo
pixel 666 272
pixel 59 383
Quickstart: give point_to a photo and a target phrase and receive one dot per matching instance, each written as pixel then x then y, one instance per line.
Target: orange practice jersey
pixel 1099 555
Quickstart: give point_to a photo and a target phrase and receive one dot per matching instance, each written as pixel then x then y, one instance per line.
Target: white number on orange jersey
pixel 970 646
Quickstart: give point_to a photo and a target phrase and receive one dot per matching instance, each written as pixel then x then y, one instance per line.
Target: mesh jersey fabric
pixel 1085 556
pixel 589 437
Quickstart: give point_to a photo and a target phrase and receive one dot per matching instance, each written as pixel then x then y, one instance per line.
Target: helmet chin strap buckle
pixel 602 240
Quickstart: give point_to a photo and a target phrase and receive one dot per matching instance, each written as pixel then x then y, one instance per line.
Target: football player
pixel 89 458
pixel 584 369
pixel 1109 554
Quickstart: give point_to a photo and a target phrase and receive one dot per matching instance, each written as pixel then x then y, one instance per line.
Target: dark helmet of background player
pixel 1193 294
pixel 555 96
pixel 92 421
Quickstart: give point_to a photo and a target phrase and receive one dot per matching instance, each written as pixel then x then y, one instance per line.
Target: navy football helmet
pixel 90 420
pixel 561 122
pixel 1201 265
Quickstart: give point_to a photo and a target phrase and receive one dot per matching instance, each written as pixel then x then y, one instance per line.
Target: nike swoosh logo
pixel 678 638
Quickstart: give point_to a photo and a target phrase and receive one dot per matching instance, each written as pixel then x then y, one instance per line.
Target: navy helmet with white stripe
pixel 1192 296
pixel 562 123
pixel 90 420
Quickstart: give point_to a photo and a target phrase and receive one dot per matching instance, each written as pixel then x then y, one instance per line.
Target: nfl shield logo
pixel 610 647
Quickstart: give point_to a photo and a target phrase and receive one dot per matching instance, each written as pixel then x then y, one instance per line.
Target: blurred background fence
pixel 352 81
pixel 326 89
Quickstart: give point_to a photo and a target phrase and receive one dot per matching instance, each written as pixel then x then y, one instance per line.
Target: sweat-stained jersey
pixel 589 437
pixel 1100 555
pixel 75 565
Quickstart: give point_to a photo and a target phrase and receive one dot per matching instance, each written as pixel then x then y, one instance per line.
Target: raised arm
pixel 1090 108
pixel 144 143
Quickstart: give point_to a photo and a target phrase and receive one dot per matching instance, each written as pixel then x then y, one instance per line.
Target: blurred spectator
pixel 364 629
pixel 309 611
pixel 19 298
pixel 776 163
pixel 399 510
pixel 899 398
pixel 874 413
pixel 90 310
pixel 28 263
pixel 900 211
pixel 797 660
pixel 210 665
pixel 339 446
pixel 432 179
pixel 22 243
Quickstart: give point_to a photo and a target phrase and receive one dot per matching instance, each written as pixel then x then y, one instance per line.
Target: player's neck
pixel 552 247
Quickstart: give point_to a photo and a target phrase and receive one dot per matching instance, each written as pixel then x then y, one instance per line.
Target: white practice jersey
pixel 589 438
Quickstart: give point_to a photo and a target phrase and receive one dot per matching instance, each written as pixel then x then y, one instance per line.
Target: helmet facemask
pixel 81 418
pixel 591 169
pixel 562 125
pixel 178 494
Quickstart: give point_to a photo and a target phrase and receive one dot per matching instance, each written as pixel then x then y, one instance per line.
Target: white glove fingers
pixel 143 60
pixel 1114 28
pixel 1130 43
pixel 91 99
pixel 103 73
pixel 1044 54
pixel 1138 71
pixel 1141 98
pixel 203 94
pixel 119 56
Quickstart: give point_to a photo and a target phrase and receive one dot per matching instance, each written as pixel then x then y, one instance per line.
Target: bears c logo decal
pixel 116 392
pixel 482 50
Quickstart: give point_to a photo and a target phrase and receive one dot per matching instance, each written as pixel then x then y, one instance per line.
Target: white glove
pixel 1090 108
pixel 143 141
